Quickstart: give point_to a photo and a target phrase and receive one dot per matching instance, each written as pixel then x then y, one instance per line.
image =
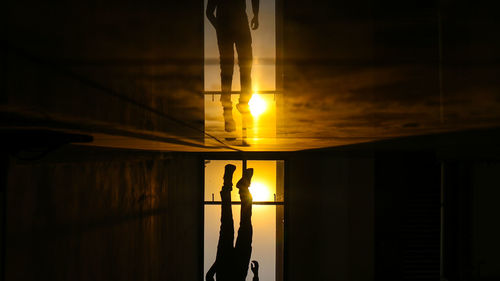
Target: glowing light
pixel 260 192
pixel 255 86
pixel 257 105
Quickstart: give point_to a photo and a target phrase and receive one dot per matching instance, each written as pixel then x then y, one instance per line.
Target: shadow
pixel 232 261
pixel 34 144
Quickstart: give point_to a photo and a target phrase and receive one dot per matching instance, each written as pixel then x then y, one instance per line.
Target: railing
pixel 239 203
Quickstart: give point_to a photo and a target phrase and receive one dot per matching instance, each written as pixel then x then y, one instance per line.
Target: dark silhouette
pixel 231 262
pixel 231 25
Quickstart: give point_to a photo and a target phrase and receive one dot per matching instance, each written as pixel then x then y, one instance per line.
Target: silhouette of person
pixel 231 262
pixel 231 25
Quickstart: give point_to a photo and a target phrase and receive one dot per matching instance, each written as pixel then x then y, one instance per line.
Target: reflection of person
pixel 231 263
pixel 231 25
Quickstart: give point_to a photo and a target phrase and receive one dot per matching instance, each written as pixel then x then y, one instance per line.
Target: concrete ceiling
pixel 131 74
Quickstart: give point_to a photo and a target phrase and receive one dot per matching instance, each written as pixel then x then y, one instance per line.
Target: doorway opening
pixel 267 189
pixel 233 127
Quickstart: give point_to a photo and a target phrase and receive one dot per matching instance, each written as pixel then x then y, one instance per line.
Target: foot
pixel 228 174
pixel 229 126
pixel 246 179
pixel 243 108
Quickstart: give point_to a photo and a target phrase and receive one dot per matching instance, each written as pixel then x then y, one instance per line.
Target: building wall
pixel 329 218
pixel 364 70
pixel 471 245
pixel 85 214
pixel 407 215
pixel 486 263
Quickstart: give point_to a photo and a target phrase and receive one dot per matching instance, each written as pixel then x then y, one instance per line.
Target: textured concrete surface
pixel 352 72
pixel 364 70
pixel 329 218
pixel 115 67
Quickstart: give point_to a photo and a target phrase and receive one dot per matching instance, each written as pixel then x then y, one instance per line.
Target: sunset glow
pixel 257 105
pixel 264 216
pixel 260 192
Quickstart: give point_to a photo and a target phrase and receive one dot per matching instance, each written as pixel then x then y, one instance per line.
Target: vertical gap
pixel 279 219
pixel 440 64
pixel 279 44
pixel 264 76
pixel 280 122
pixel 286 179
pixel 201 258
pixel 3 75
pixel 268 230
pixel 264 48
pixel 441 238
pixel 4 168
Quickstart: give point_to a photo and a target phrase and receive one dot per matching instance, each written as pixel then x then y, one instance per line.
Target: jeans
pixel 232 262
pixel 232 33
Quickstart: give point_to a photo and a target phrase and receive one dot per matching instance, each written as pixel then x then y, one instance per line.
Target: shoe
pixel 229 169
pixel 228 174
pixel 246 179
pixel 243 108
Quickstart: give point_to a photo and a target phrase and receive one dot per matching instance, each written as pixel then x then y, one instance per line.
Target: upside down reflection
pixel 231 263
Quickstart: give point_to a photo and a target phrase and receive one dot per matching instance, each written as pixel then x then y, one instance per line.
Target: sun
pixel 257 105
pixel 259 191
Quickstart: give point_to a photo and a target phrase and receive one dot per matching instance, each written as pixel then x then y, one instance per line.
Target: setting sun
pixel 260 192
pixel 257 105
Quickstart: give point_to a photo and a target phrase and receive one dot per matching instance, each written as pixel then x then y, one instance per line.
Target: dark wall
pixel 86 214
pixel 329 218
pixel 407 215
pixel 470 214
pixel 486 212
pixel 404 209
pixel 364 70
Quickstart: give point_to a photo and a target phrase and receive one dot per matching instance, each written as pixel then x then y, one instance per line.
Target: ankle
pixel 245 181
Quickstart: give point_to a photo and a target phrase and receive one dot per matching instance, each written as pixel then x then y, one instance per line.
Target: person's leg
pixel 243 41
pixel 243 248
pixel 226 233
pixel 226 51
